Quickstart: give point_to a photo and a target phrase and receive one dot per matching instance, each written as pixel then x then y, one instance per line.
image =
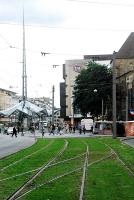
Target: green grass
pixel 106 180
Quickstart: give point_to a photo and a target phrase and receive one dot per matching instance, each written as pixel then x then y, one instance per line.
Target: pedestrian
pixel 66 128
pixel 14 132
pixel 18 129
pixel 52 129
pixel 80 130
pixel 22 129
pixel 84 129
pixel 74 128
pixel 70 128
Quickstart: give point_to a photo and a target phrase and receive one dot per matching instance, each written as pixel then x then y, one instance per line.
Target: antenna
pixel 24 75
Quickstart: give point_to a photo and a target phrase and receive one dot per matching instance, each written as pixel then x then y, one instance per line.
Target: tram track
pixel 20 193
pixel 61 176
pixel 131 173
pixel 84 175
pixel 25 157
pixel 17 192
pixel 51 165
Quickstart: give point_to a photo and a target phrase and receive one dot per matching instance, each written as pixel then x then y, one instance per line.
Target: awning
pixel 24 106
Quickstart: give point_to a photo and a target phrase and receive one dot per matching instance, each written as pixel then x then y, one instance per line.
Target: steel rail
pixel 61 176
pixel 16 193
pixel 84 175
pixel 4 168
pixel 63 161
pixel 121 161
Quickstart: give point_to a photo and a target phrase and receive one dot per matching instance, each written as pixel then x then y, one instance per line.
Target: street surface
pixel 10 145
pixel 130 142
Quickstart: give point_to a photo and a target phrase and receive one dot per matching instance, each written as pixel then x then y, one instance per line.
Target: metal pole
pixel 114 97
pixel 53 104
pixel 24 75
pixel 126 102
pixel 102 110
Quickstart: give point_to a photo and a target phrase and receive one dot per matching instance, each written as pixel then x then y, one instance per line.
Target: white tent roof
pixel 24 106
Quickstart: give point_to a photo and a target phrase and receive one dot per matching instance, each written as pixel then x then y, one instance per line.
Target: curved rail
pixel 15 194
pixel 61 176
pixel 4 168
pixel 84 175
pixel 121 161
pixel 63 161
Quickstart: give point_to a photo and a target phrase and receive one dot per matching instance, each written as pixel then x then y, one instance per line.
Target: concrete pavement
pixel 10 145
pixel 129 141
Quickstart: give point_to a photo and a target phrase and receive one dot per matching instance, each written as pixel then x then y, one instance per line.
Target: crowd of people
pixel 52 129
pixel 65 128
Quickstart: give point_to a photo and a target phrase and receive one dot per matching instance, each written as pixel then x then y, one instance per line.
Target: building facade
pixel 71 70
pixel 124 64
pixel 7 99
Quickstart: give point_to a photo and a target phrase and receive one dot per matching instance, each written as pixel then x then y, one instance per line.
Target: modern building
pixel 71 69
pixel 7 99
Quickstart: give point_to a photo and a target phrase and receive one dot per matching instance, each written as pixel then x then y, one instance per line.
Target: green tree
pixel 93 84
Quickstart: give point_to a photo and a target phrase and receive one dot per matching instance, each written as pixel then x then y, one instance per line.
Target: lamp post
pixel 102 105
pixel 114 96
pixel 53 90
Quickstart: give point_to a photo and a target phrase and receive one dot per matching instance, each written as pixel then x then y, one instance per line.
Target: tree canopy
pixel 93 84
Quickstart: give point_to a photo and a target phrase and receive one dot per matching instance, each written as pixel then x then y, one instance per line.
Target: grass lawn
pixel 105 180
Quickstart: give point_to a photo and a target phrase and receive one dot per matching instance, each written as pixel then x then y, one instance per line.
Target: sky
pixel 66 29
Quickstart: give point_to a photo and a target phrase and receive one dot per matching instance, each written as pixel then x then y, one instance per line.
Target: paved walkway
pixel 129 141
pixel 10 145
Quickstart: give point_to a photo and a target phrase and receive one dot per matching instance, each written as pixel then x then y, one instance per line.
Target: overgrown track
pixel 25 157
pixel 67 174
pixel 121 161
pixel 68 165
pixel 84 175
pixel 54 164
pixel 15 194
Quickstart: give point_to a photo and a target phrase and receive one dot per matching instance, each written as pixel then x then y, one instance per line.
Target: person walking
pixel 80 128
pixel 70 128
pixel 14 132
pixel 74 128
pixel 84 129
pixel 52 129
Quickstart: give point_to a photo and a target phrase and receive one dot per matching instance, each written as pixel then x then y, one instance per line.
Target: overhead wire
pixel 67 28
pixel 102 3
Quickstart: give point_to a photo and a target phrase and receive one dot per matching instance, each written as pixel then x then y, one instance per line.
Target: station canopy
pixel 25 107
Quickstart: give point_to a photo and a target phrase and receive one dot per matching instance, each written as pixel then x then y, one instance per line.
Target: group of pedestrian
pixel 55 129
pixel 82 129
pixel 69 128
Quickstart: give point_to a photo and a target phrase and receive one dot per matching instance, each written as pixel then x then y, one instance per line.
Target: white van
pixel 88 123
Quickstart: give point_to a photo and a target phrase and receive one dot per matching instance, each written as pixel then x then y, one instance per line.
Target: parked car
pixel 9 130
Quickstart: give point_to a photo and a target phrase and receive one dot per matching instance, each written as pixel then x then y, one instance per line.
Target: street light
pixel 53 90
pixel 102 105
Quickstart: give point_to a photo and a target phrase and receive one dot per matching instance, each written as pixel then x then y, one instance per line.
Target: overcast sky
pixel 67 29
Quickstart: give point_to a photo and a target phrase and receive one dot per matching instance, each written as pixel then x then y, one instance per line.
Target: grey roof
pixel 24 106
pixel 127 49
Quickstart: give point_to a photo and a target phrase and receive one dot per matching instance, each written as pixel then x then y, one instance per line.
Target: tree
pixel 93 84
